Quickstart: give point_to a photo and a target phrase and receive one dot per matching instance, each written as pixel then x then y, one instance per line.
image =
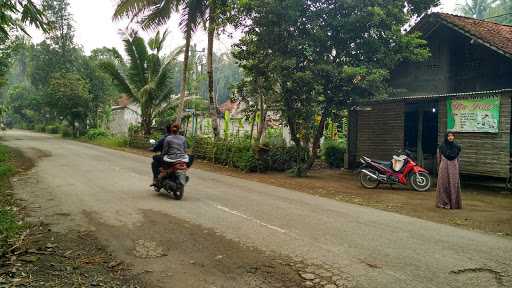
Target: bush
pixel 40 128
pixel 95 133
pixel 333 154
pixel 238 153
pixel 66 132
pixel 112 141
pixel 6 169
pixel 52 129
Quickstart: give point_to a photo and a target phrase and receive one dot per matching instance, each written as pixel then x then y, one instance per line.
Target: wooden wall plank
pixel 380 132
pixel 483 153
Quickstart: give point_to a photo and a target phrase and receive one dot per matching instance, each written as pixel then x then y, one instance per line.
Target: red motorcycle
pixel 401 170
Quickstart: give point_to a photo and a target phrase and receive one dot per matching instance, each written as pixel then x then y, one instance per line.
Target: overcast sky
pixel 94 26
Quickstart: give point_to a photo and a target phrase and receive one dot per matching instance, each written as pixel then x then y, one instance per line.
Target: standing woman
pixel 448 181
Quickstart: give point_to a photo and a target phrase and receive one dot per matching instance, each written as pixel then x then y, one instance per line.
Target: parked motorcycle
pixel 401 170
pixel 173 177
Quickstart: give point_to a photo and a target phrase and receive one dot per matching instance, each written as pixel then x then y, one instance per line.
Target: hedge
pixel 239 153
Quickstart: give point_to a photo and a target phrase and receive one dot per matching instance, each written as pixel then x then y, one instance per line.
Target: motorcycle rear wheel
pixel 421 181
pixel 178 194
pixel 368 181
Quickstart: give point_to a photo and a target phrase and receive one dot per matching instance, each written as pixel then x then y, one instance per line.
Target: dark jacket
pixel 159 146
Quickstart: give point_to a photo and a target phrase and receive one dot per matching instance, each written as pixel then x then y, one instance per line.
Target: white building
pixel 125 114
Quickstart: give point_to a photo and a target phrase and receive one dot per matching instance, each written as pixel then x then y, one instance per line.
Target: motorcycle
pixel 401 170
pixel 173 176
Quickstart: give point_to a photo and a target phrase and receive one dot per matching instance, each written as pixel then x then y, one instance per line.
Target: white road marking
pixel 250 218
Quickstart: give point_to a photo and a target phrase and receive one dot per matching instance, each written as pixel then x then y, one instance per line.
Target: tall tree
pixel 153 14
pixel 62 35
pixel 69 97
pixel 147 76
pixel 193 14
pixel 334 53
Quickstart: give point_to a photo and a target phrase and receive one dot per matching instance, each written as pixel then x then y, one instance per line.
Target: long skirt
pixel 448 184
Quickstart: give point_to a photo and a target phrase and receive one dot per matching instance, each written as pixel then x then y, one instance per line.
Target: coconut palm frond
pixel 117 56
pixel 131 8
pixel 157 43
pixel 120 80
pixel 176 52
pixel 159 15
pixel 193 14
pixel 137 54
pixel 154 65
pixel 165 80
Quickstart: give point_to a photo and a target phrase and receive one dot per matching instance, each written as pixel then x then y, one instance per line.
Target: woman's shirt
pixel 175 147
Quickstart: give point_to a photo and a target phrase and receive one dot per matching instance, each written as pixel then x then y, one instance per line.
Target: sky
pixel 95 29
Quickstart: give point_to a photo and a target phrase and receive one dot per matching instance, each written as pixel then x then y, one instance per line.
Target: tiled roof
pixel 497 36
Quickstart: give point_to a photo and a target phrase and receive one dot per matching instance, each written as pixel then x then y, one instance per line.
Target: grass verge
pixel 108 141
pixel 10 225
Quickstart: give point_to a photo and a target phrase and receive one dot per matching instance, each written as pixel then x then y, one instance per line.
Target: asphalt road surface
pixel 81 186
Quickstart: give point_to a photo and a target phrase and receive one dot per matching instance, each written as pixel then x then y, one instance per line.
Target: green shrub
pixel 40 128
pixel 6 169
pixel 4 153
pixel 52 129
pixel 112 141
pixel 95 133
pixel 66 132
pixel 333 154
pixel 238 153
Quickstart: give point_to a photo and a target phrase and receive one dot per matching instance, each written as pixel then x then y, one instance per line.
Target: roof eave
pixel 434 97
pixel 473 37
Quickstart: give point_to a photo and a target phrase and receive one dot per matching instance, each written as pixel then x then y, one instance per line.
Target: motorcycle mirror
pixel 152 142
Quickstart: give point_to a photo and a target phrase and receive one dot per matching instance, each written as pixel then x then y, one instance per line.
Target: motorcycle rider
pixel 159 159
pixel 175 146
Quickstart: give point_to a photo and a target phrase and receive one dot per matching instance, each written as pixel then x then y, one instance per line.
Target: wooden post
pixel 420 159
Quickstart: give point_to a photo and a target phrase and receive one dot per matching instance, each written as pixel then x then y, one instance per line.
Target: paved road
pixel 378 249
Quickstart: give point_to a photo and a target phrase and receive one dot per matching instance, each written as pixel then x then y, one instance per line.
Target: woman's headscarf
pixel 450 150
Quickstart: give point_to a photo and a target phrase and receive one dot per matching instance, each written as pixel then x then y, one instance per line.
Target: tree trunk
pixel 253 121
pixel 184 76
pixel 263 119
pixel 299 168
pixel 147 122
pixel 211 96
pixel 316 141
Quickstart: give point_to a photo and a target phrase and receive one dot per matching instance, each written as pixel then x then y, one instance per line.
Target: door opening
pixel 421 127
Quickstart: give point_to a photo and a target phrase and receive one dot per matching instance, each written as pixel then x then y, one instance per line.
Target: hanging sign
pixel 474 115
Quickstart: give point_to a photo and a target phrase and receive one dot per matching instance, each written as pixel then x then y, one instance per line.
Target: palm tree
pixel 216 8
pixel 155 13
pixel 147 77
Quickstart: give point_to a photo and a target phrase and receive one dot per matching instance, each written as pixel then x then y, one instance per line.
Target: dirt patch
pixel 188 255
pixel 74 259
pixel 483 210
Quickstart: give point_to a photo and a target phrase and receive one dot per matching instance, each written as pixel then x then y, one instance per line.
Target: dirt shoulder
pixel 40 257
pixel 487 211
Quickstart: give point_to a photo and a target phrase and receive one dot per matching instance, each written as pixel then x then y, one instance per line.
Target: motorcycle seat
pixel 169 160
pixel 387 164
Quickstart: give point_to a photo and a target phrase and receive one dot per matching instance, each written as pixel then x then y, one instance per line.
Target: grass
pixel 109 141
pixel 10 227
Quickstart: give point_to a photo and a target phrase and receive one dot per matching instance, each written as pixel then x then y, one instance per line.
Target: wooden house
pixel 465 87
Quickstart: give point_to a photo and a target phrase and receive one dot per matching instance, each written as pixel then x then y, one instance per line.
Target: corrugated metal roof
pixel 425 98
